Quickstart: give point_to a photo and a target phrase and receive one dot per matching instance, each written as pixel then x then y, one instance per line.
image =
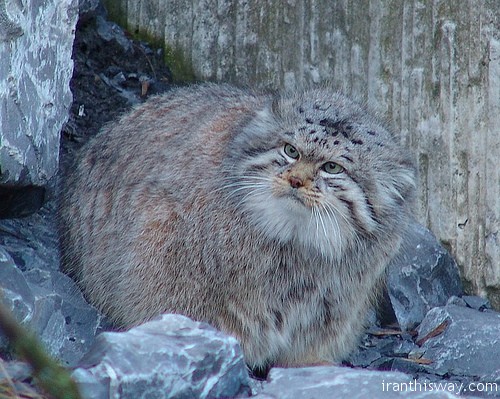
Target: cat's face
pixel 317 170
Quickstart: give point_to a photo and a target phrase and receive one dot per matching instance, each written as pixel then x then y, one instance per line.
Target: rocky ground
pixel 427 329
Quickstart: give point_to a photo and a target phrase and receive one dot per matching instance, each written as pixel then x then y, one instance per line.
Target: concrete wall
pixel 36 42
pixel 431 67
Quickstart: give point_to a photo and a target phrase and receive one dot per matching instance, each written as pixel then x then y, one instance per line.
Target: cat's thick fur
pixel 192 204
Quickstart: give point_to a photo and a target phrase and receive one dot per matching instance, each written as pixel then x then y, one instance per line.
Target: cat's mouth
pixel 295 196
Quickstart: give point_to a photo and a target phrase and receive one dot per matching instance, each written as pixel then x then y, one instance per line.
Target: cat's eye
pixel 332 168
pixel 291 151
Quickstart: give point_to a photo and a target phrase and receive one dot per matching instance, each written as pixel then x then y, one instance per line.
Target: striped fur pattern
pixel 272 217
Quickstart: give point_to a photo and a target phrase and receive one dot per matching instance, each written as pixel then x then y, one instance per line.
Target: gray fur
pixel 187 205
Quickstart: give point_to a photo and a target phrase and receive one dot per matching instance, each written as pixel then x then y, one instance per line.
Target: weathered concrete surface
pixel 432 67
pixel 36 42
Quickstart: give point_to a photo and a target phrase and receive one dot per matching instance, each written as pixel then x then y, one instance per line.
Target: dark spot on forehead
pixel 336 142
pixel 357 142
pixel 371 132
pixel 312 131
pixel 335 127
pixel 309 120
pixel 289 133
pixel 324 142
pixel 301 110
pixel 329 123
pixel 321 106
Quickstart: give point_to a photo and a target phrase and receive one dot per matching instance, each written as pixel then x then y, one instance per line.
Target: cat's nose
pixel 295 181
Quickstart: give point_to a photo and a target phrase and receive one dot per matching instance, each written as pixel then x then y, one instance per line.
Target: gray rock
pixel 342 382
pixel 15 292
pixel 32 241
pixel 9 29
pixel 476 302
pixel 110 31
pixel 65 324
pixel 89 7
pixel 36 43
pixel 422 276
pixel 466 343
pixel 40 297
pixel 169 357
pixel 455 300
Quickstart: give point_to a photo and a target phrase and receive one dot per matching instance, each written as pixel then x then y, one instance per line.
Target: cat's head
pixel 314 167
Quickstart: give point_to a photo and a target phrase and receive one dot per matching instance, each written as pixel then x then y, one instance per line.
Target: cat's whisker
pixel 262 191
pixel 243 178
pixel 332 212
pixel 237 188
pixel 314 217
pixel 320 217
pixel 336 211
pixel 245 182
pixel 249 187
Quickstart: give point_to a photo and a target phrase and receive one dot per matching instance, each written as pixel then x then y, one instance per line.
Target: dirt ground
pixel 112 72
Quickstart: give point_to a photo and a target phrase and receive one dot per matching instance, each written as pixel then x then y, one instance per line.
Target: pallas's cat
pixel 271 217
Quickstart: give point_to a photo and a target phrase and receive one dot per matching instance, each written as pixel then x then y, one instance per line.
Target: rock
pixel 342 382
pixel 171 356
pixel 90 8
pixel 40 297
pixel 110 31
pixel 15 293
pixel 476 302
pixel 423 275
pixel 36 42
pixel 455 300
pixel 462 342
pixel 32 241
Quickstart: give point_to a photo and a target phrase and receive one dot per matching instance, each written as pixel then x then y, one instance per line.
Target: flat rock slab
pixel 169 357
pixel 462 341
pixel 342 382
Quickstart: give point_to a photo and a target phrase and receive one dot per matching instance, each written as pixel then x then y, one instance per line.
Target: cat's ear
pixel 400 182
pixel 276 104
